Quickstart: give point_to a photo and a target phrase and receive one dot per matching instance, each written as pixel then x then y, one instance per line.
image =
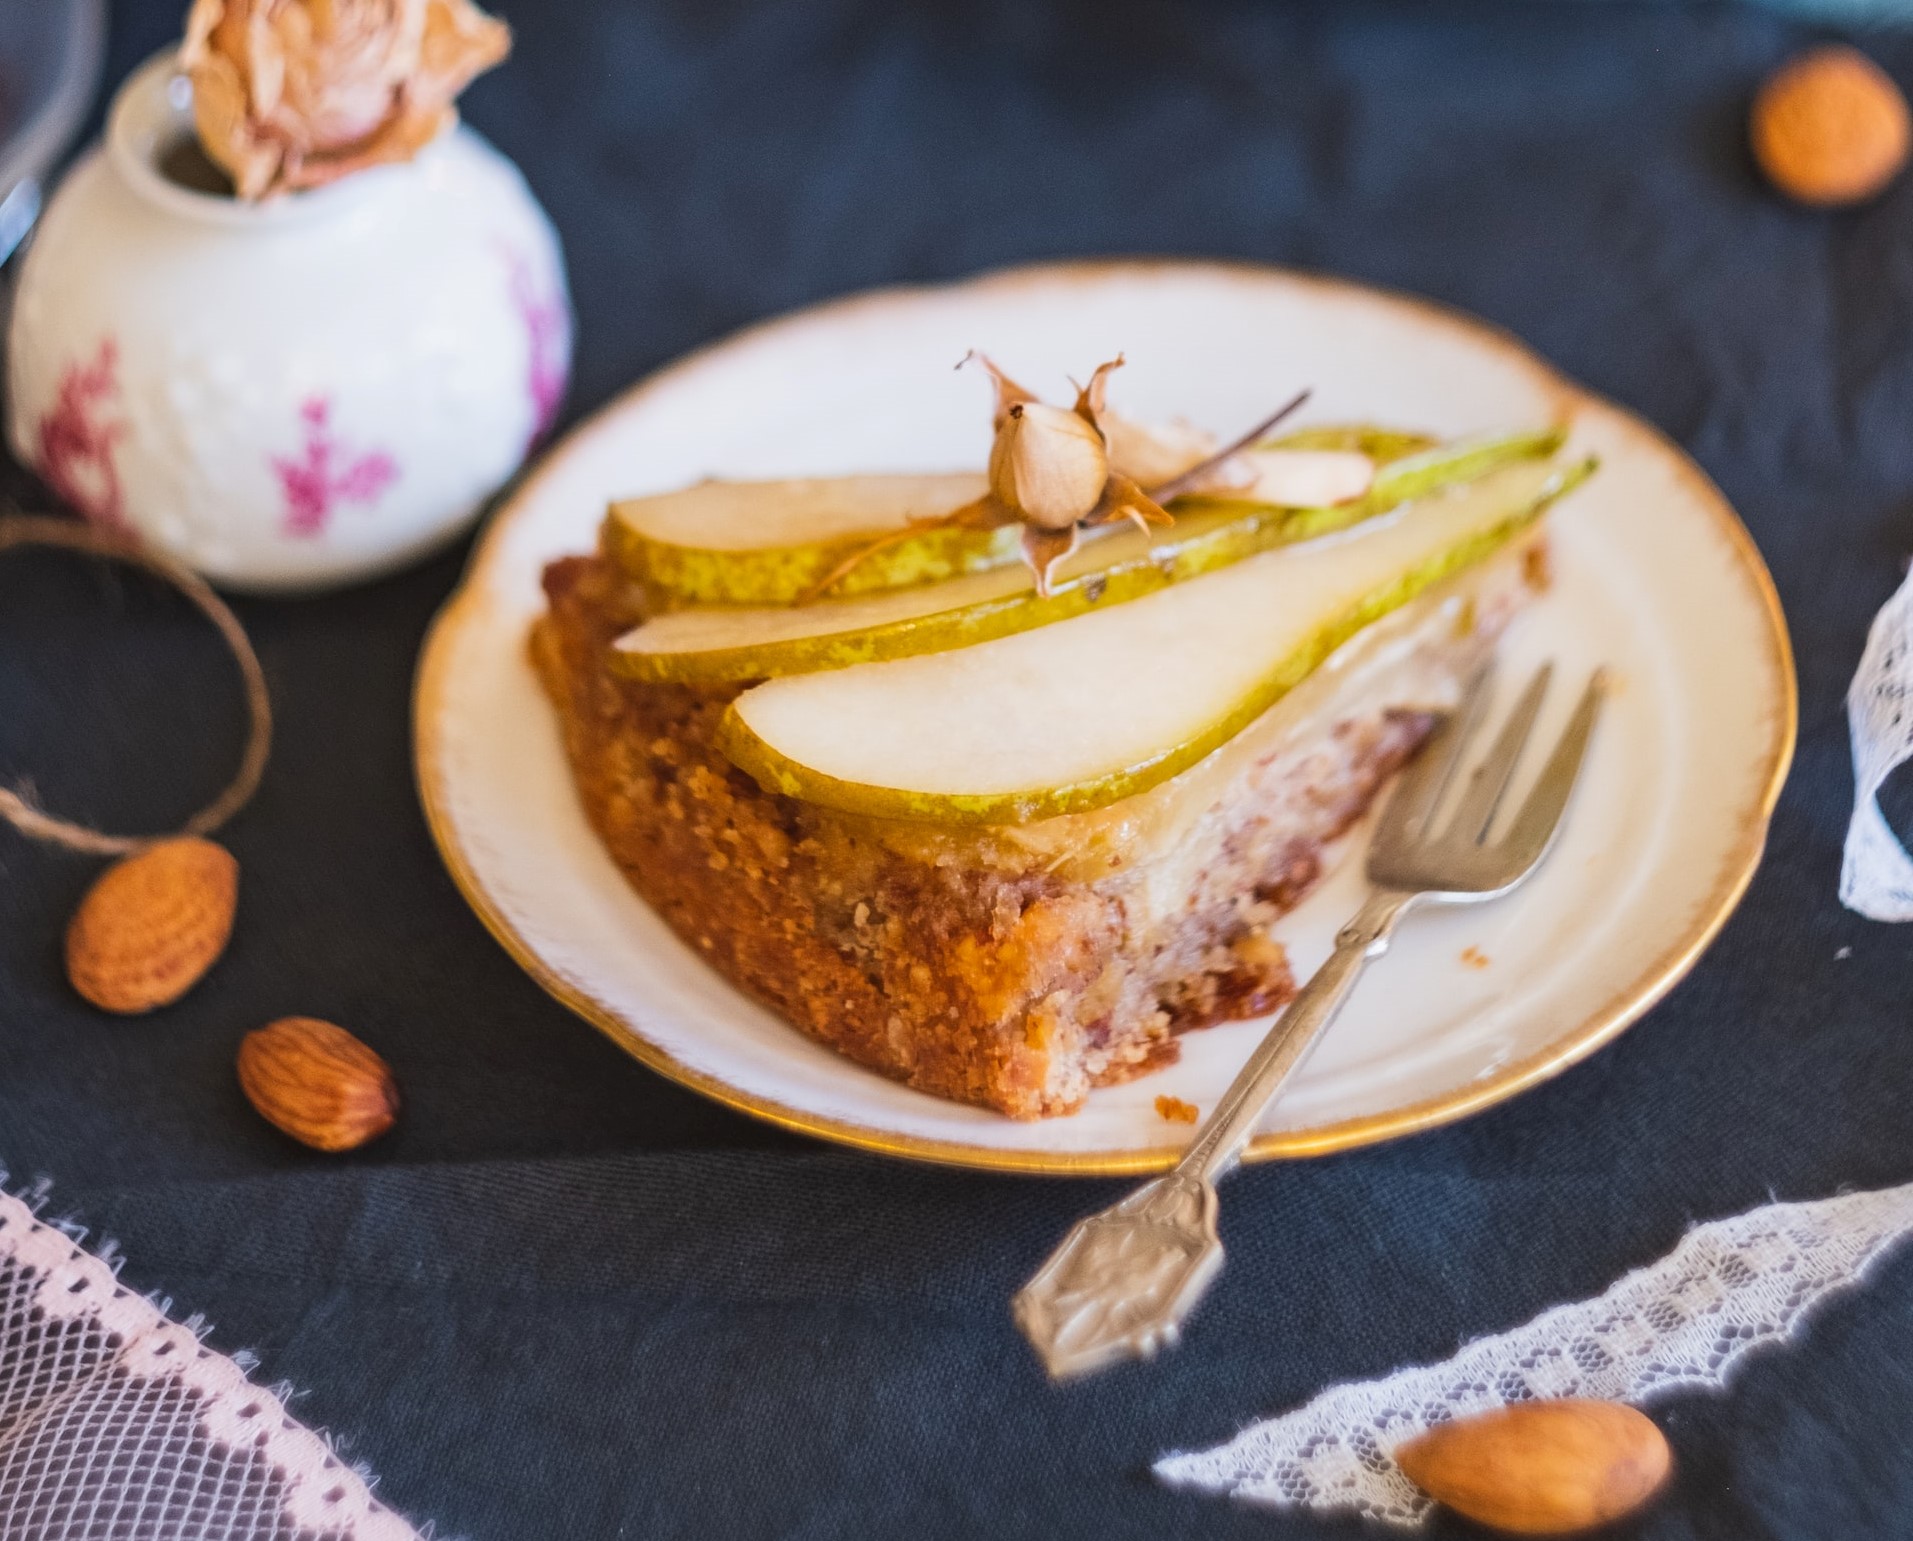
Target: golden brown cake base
pixel 1013 968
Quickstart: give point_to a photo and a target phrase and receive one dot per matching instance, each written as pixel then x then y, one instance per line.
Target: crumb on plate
pixel 1176 1111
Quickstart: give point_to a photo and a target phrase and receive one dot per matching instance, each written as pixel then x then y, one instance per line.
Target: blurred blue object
pixel 50 54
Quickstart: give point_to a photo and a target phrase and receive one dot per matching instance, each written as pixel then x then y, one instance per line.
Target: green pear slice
pixel 1097 708
pixel 711 645
pixel 769 543
pixel 705 645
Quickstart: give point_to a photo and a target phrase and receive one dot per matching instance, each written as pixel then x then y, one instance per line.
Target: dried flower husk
pixel 1057 452
pixel 1149 454
pixel 1153 453
pixel 1058 473
pixel 291 94
pixel 1048 466
pixel 1050 471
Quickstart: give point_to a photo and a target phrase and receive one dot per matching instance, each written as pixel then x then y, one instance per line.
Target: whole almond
pixel 1541 1468
pixel 317 1083
pixel 1830 127
pixel 152 924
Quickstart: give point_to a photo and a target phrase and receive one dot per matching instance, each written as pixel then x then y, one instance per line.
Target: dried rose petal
pixel 289 94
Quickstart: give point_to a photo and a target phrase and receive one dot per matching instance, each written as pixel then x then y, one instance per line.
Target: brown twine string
pixel 16 807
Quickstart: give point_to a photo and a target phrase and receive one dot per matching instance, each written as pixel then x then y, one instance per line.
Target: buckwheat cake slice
pixel 1012 966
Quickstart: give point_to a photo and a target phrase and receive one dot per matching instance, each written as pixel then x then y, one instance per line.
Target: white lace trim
pixel 112 1415
pixel 1683 1323
pixel 1876 877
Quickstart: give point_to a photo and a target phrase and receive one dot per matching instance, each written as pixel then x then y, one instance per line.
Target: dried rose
pixel 289 94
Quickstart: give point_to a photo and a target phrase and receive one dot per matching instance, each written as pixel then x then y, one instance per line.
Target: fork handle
pixel 1295 1032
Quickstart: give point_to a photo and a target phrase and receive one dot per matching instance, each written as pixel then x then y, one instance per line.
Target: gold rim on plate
pixel 1607 1022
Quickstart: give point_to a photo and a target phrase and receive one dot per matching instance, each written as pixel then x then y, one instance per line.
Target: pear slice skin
pixel 709 646
pixel 996 734
pixel 771 542
pixel 1381 445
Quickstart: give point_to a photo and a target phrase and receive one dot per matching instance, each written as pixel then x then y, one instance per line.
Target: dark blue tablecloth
pixel 566 1298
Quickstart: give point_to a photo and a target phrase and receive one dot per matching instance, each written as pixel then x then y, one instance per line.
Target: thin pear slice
pixel 712 645
pixel 1089 711
pixel 768 543
pixel 1399 479
pixel 705 645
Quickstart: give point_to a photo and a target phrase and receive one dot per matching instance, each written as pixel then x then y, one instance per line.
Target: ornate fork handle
pixel 1122 1281
pixel 1295 1032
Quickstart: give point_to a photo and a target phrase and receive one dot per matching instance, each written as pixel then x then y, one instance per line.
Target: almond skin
pixel 152 924
pixel 1830 127
pixel 1542 1468
pixel 317 1083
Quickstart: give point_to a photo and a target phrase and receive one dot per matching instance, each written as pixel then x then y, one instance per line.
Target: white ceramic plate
pixel 1655 577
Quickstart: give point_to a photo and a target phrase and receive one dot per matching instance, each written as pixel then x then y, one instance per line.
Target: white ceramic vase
pixel 292 394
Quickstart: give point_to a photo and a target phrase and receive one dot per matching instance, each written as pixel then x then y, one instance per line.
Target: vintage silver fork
pixel 1122 1281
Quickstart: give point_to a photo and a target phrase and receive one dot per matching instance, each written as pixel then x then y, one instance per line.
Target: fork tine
pixel 1533 830
pixel 1419 791
pixel 1489 781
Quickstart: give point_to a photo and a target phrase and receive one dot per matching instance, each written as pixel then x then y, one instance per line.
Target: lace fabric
pixel 117 1422
pixel 1876 877
pixel 1684 1323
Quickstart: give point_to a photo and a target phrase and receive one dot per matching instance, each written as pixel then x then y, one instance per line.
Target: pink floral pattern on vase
pixel 77 445
pixel 547 325
pixel 328 473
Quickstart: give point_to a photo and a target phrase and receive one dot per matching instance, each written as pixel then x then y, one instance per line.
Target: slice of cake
pixel 1008 865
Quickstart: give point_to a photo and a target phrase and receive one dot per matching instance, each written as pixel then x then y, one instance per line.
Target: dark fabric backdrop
pixel 566 1298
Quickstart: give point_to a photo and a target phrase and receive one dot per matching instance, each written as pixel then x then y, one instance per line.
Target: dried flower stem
pixel 1192 477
